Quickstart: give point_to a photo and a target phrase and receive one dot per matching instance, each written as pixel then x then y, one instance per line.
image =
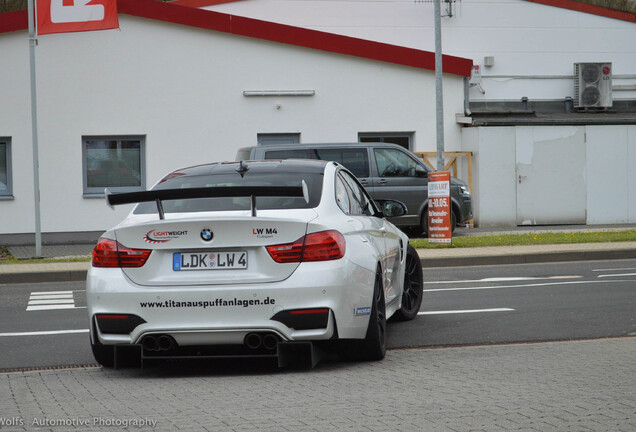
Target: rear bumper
pixel 300 354
pixel 218 315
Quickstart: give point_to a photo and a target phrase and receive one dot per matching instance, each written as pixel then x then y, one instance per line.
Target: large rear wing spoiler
pixel 206 192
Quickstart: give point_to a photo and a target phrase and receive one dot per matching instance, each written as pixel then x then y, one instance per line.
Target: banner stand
pixel 439 208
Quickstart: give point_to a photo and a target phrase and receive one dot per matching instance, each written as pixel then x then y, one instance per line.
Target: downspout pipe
pixel 466 96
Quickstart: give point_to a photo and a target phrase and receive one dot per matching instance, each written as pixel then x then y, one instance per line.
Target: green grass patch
pixel 6 258
pixel 531 239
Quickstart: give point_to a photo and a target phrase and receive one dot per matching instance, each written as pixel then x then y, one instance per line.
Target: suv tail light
pixel 110 253
pixel 320 246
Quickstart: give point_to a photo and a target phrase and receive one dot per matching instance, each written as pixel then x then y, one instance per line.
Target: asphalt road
pixel 469 305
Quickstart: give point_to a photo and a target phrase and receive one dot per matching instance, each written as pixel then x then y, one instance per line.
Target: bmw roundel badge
pixel 207 234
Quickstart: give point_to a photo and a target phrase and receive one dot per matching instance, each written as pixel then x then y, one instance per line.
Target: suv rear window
pixel 313 180
pixel 288 154
pixel 355 160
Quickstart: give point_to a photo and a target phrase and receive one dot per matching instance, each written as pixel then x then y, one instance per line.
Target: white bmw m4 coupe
pixel 284 259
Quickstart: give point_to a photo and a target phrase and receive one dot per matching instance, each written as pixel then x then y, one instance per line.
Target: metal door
pixel 551 187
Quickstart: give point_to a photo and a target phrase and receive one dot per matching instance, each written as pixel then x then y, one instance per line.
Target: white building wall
pixel 611 185
pixel 182 88
pixel 494 173
pixel 525 38
pixel 607 182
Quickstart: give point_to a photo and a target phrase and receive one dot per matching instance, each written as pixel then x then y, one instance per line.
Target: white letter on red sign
pixel 80 11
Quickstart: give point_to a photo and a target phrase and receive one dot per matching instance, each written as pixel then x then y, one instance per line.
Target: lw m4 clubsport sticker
pixel 154 236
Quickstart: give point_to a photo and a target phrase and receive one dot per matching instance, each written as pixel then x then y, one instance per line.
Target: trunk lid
pixel 214 250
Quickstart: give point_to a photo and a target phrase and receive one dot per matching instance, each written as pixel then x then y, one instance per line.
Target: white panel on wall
pixel 550 175
pixel 493 174
pixel 607 175
pixel 631 172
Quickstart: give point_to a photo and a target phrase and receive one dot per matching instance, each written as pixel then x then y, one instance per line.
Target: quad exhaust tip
pixel 162 342
pixel 254 341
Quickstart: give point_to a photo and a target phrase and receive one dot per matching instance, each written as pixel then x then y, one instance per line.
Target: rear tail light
pixel 320 246
pixel 110 253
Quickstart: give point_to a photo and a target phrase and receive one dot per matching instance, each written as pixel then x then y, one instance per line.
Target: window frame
pixel 98 192
pixel 365 205
pixel 386 136
pixel 381 174
pixel 8 193
pixel 289 138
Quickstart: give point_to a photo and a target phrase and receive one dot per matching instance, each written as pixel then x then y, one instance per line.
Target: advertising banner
pixel 439 208
pixel 61 16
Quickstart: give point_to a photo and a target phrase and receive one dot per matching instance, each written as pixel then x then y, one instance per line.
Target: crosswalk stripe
pixel 50 292
pixel 50 300
pixel 50 307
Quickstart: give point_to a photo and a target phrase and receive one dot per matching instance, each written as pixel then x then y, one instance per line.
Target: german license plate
pixel 220 260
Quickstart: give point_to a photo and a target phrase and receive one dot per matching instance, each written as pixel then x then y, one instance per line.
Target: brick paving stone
pixel 571 386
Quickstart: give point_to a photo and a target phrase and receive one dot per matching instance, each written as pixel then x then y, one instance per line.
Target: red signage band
pixel 62 16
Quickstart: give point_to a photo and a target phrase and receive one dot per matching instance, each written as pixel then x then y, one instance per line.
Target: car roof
pixel 281 166
pixel 321 145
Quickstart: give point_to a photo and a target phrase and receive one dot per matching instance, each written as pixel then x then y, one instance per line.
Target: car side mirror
pixel 420 171
pixel 392 208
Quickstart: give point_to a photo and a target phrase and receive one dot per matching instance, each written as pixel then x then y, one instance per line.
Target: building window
pixel 116 163
pixel 278 138
pixel 404 139
pixel 6 183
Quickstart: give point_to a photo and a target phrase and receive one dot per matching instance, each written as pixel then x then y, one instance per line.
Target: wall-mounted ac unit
pixel 592 85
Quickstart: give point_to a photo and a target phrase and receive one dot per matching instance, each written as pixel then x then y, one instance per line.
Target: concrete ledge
pixel 529 258
pixel 43 277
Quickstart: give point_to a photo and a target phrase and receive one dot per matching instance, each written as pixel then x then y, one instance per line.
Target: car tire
pixel 373 346
pixel 104 354
pixel 413 287
pixel 424 222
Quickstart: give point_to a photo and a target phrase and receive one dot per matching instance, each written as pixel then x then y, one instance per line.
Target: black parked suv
pixel 387 171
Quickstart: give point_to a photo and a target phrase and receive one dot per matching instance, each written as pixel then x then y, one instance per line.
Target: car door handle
pixel 382 181
pixel 363 182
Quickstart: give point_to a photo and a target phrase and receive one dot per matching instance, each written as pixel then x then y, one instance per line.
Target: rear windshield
pixel 313 180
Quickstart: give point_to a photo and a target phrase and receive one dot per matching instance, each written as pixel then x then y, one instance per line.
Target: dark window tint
pixel 5 168
pixel 355 160
pixel 360 204
pixel 313 181
pixel 115 163
pixel 288 154
pixel 394 163
pixel 401 139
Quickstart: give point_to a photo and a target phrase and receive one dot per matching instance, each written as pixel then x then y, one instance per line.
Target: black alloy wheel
pixel 413 287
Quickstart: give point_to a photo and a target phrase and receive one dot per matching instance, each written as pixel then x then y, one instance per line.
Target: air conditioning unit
pixel 592 85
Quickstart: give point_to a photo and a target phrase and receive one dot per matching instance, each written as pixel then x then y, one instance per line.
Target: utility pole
pixel 439 102
pixel 34 130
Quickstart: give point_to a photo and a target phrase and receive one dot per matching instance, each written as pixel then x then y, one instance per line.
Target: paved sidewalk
pixel 559 386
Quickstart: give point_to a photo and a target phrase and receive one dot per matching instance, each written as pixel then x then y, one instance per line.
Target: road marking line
pixel 524 285
pixel 54 296
pixel 614 269
pixel 51 301
pixel 44 333
pixel 49 307
pixel 617 275
pixel 50 292
pixel 504 279
pixel 465 311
